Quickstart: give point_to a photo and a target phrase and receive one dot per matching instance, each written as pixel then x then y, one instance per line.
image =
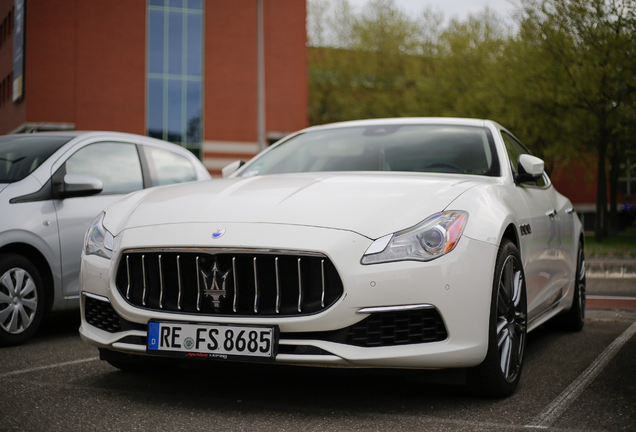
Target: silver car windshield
pixel 411 148
pixel 20 155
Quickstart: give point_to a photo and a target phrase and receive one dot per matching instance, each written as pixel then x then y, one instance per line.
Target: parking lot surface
pixel 571 381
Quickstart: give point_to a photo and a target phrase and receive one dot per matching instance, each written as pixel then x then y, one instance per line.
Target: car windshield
pixel 20 155
pixel 413 148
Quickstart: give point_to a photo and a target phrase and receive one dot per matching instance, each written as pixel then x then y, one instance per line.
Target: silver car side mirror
pixel 76 185
pixel 232 168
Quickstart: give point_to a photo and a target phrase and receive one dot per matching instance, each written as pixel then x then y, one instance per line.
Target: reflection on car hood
pixel 371 204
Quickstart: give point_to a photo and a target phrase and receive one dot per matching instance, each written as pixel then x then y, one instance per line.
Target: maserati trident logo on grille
pixel 211 282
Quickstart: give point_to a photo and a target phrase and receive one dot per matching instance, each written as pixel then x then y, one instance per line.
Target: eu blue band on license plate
pixel 153 335
pixel 204 340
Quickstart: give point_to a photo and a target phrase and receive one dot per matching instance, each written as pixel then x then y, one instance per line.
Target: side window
pixel 168 168
pixel 542 181
pixel 115 164
pixel 514 149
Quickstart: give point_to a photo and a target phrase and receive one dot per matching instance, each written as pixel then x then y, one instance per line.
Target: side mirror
pixel 529 169
pixel 231 168
pixel 76 185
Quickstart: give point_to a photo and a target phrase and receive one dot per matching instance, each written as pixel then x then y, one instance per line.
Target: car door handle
pixel 570 211
pixel 551 213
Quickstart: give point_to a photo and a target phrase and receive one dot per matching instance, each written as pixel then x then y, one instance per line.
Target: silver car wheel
pixel 511 319
pixel 18 300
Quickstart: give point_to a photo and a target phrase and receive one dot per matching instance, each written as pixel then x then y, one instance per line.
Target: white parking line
pixel 39 368
pixel 569 395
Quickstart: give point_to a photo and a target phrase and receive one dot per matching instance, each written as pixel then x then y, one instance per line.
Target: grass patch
pixel 621 246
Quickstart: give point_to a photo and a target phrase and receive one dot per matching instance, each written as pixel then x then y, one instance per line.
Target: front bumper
pixel 458 286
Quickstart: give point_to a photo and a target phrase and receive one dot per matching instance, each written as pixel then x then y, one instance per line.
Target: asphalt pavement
pixel 583 381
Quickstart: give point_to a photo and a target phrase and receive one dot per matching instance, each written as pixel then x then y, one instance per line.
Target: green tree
pixel 563 79
pixel 467 66
pixel 592 43
pixel 371 68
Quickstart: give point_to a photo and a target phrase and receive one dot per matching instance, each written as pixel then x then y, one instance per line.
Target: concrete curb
pixel 611 283
pixel 610 268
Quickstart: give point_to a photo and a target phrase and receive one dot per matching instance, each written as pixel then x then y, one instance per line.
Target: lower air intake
pixel 101 315
pixel 385 329
pixel 398 328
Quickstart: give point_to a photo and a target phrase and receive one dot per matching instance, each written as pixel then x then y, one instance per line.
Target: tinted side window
pixel 115 164
pixel 513 150
pixel 168 168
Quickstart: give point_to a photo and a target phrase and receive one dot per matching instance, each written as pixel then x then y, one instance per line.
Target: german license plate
pixel 212 340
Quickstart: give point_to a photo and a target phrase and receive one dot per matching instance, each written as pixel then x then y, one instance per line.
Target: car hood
pixel 373 204
pixel 3 185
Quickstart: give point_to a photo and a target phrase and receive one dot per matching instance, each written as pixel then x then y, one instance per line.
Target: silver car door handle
pixel 551 213
pixel 570 210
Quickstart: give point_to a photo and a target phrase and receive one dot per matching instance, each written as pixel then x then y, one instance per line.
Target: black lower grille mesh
pixel 101 315
pixel 399 328
pixel 385 329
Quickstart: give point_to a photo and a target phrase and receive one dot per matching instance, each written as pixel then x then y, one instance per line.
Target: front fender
pixel 489 212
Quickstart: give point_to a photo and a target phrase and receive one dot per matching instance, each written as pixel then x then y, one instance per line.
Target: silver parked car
pixel 52 185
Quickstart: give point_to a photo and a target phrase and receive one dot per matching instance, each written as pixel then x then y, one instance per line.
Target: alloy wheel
pixel 18 300
pixel 511 318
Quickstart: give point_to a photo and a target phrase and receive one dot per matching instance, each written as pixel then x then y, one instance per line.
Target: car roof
pixel 404 121
pixel 142 139
pixel 78 137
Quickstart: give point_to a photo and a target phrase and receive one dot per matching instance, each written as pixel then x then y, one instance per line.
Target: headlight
pixel 98 240
pixel 436 236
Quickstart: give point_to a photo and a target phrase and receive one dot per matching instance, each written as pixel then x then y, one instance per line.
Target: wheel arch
pixel 510 233
pixel 36 257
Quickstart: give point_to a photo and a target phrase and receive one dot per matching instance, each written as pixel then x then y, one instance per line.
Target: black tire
pixel 21 299
pixel 574 319
pixel 499 374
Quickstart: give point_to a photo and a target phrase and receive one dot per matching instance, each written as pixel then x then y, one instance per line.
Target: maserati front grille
pixel 212 282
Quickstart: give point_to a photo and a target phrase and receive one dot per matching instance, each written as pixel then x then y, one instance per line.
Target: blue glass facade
pixel 174 82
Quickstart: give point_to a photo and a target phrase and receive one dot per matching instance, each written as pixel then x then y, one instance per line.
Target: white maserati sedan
pixel 412 243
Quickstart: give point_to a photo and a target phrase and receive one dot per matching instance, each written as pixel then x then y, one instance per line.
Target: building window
pixel 174 86
pixel 6 28
pixel 5 89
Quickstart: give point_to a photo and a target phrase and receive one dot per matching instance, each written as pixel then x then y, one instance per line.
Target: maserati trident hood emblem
pixel 218 233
